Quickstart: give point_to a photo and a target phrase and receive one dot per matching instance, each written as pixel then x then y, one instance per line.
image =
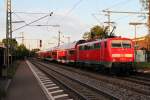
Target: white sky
pixel 73 16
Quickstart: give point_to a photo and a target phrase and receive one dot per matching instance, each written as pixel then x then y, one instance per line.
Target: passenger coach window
pixel 54 53
pixel 71 52
pixel 81 48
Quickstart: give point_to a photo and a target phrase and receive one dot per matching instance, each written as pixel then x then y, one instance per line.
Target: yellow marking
pixel 128 55
pixel 122 55
pixel 115 55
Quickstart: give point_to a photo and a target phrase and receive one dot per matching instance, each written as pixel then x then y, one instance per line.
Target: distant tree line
pixel 19 51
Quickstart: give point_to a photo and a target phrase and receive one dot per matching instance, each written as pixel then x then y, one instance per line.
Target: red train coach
pixel 54 54
pixel 110 52
pixel 67 53
pixel 44 54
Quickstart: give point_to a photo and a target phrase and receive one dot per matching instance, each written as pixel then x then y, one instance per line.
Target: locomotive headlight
pixel 114 60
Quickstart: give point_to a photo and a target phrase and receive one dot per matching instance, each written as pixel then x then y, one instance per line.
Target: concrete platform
pixel 24 86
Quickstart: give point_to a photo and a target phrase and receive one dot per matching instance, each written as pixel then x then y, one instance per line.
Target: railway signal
pixel 40 43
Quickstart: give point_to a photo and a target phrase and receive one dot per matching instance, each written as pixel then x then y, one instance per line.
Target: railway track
pixel 84 91
pixel 134 83
pixel 138 80
pixel 142 76
pixel 120 89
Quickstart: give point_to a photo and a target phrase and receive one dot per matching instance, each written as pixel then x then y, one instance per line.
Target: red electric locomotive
pixel 113 53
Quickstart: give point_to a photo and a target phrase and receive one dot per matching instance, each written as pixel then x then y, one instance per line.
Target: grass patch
pixel 142 65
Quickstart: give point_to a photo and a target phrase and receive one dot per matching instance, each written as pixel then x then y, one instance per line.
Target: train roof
pixel 69 45
pixel 99 40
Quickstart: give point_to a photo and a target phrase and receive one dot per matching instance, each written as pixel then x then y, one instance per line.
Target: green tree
pixel 87 35
pixel 99 32
pixel 12 42
pixel 96 32
pixel 22 51
pixel 33 52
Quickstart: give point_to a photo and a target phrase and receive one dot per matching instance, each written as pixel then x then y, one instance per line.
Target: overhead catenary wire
pixel 19 18
pixel 33 21
pixel 94 16
pixel 74 6
pixel 118 4
pixel 114 5
pixel 69 11
pixel 30 12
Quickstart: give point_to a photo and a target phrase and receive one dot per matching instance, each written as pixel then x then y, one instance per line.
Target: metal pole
pixel 58 38
pixel 108 21
pixel 7 31
pixel 135 34
pixel 149 17
pixel 148 23
pixel 22 38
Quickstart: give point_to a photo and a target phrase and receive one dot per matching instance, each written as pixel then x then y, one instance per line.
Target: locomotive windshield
pixel 121 44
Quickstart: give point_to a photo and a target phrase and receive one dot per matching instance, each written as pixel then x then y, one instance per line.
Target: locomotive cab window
pixel 126 44
pixel 121 44
pixel 116 44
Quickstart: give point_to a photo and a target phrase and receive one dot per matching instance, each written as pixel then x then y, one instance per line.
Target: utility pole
pixel 58 38
pixel 109 20
pixel 135 24
pixel 8 30
pixel 148 24
pixel 108 16
pixel 127 12
pixel 68 39
pixel 22 38
pixel 149 17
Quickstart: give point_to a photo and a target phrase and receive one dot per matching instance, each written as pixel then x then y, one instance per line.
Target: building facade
pixel 143 43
